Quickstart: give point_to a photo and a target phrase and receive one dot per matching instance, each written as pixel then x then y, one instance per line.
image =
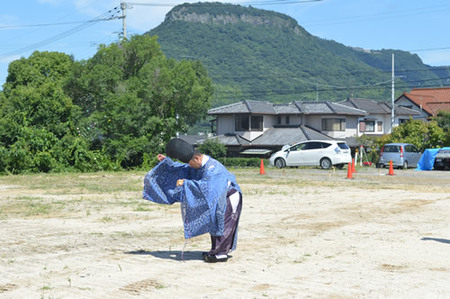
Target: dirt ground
pixel 304 233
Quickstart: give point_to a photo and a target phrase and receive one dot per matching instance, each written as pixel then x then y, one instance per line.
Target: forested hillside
pixel 263 55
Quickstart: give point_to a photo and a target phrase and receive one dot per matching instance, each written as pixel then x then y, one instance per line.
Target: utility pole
pixel 123 6
pixel 392 95
pixel 317 91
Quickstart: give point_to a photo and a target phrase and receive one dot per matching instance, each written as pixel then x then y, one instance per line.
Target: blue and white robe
pixel 202 196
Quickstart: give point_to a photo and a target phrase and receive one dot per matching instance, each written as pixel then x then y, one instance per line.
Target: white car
pixel 323 153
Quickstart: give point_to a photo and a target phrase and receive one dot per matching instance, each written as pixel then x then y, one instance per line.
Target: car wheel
pixel 405 165
pixel 325 163
pixel 279 163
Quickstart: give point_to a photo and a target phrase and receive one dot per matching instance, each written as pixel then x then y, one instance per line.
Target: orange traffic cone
pixel 261 168
pixel 353 166
pixel 391 168
pixel 349 171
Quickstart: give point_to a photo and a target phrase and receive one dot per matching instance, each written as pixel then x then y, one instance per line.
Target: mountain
pixel 264 55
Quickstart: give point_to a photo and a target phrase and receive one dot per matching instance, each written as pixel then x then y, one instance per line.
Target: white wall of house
pixel 351 126
pixel 313 121
pixel 269 121
pixel 292 120
pixel 225 124
pixel 250 135
pixel 381 124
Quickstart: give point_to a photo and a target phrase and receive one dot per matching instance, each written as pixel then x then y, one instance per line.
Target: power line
pixel 107 16
pixel 48 24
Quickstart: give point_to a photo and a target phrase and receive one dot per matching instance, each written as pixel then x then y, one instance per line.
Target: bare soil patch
pixel 303 233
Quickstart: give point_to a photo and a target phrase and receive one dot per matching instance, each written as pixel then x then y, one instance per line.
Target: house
pixel 378 120
pixel 252 127
pixel 427 101
pixel 258 128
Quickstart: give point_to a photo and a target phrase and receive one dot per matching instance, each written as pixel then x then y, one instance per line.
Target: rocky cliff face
pixel 189 13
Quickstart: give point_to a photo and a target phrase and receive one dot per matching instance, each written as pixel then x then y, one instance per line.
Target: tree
pixel 135 99
pixel 443 121
pixel 113 110
pixel 422 134
pixel 35 111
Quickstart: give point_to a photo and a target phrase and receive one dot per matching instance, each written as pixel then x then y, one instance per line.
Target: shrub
pixel 213 148
pixel 241 162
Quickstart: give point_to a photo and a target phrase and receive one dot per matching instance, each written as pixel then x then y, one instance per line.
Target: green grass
pixel 85 194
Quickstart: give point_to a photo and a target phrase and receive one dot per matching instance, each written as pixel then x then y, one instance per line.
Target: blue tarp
pixel 426 162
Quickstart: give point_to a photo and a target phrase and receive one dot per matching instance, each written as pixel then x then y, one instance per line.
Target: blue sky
pixel 68 25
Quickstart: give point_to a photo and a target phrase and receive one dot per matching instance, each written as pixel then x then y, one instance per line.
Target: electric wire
pixel 107 16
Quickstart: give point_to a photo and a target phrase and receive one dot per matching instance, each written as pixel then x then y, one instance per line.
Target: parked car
pixel 402 155
pixel 313 153
pixel 442 159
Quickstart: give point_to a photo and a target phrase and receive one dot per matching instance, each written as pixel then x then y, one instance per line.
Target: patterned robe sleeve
pixel 160 182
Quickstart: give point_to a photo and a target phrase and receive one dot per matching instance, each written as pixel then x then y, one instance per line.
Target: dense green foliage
pixel 422 134
pixel 241 162
pixel 213 148
pixel 263 55
pixel 443 121
pixel 113 111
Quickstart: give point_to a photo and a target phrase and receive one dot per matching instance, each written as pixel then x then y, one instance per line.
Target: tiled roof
pixel 367 105
pixel 260 107
pixel 238 107
pixel 438 98
pixel 327 107
pixel 276 137
pixel 373 107
pixel 232 140
pixel 436 107
pixel 246 106
pixel 297 107
pixel 289 108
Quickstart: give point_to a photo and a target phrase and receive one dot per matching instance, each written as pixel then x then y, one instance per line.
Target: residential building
pixel 257 127
pixel 378 120
pixel 427 101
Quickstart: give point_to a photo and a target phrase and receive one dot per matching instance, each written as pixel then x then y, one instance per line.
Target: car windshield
pixel 391 149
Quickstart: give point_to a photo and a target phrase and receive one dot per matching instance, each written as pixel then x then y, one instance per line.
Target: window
pixel 241 123
pixel 278 120
pixel 411 149
pixel 379 126
pixel 287 119
pixel 391 149
pixel 367 126
pixel 313 145
pixel 333 124
pixel 248 123
pixel 257 123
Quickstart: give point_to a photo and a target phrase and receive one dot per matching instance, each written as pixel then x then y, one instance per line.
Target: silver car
pixel 323 153
pixel 402 155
